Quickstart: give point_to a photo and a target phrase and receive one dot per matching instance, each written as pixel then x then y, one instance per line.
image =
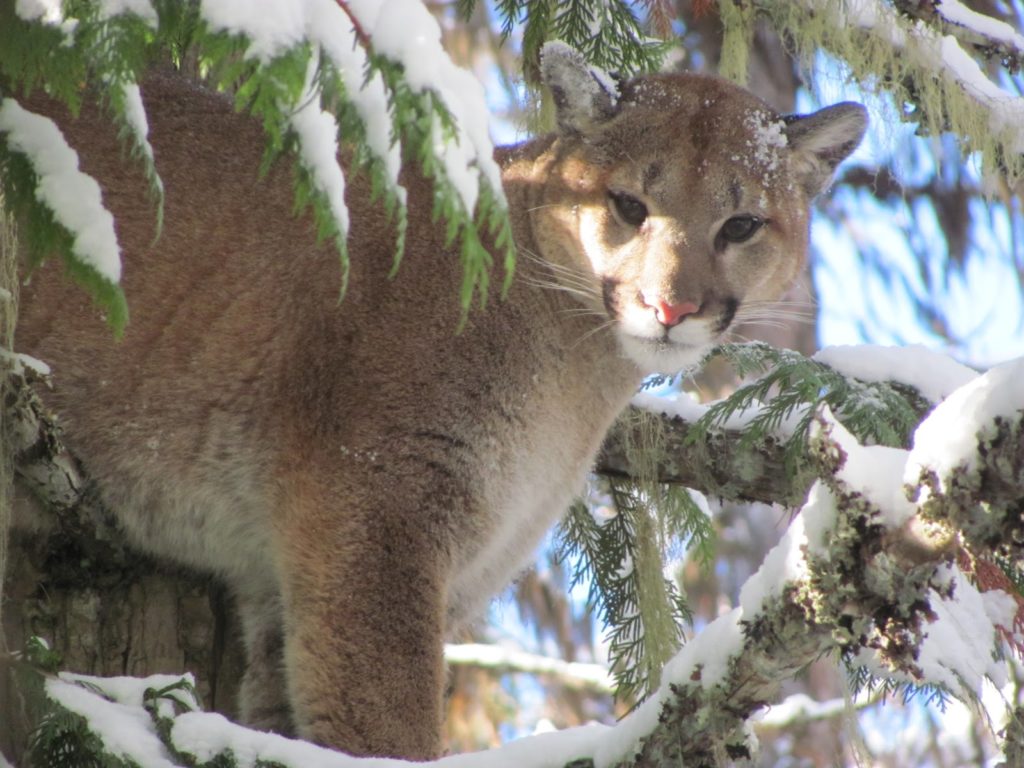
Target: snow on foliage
pixel 318 148
pixel 114 710
pixel 73 197
pixel 401 30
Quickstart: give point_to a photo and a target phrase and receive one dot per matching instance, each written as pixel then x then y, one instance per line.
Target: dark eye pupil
pixel 740 228
pixel 631 210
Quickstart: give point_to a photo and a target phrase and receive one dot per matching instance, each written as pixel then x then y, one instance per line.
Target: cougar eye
pixel 629 209
pixel 740 228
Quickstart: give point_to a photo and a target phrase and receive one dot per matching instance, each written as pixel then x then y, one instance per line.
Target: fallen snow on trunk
pixel 73 197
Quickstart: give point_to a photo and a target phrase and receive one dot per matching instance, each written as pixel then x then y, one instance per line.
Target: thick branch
pixel 729 465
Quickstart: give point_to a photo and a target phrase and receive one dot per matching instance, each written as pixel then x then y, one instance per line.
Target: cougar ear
pixel 822 140
pixel 585 96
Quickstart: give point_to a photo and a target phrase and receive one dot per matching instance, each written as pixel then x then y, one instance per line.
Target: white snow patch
pixel 46 11
pixel 956 12
pixel 701 502
pixel 130 691
pixel 943 54
pixel 141 8
pixel 931 373
pixel 712 650
pixel 785 562
pixel 819 516
pixel 405 31
pixel 206 735
pixel 683 405
pixel 1006 112
pixel 125 729
pixel 402 30
pixel 317 131
pixel 948 438
pixel 18 361
pixel 769 138
pixel 799 708
pixel 74 197
pixel 958 646
pixel 876 472
pixel 492 655
pixel 1000 607
pixel 135 114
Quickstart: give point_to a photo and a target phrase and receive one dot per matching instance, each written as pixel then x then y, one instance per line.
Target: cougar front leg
pixel 364 600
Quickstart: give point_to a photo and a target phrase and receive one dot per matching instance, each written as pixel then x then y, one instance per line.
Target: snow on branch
pixel 916 51
pixel 571 674
pixel 990 37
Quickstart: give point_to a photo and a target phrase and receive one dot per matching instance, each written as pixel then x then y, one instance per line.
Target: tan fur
pixel 362 476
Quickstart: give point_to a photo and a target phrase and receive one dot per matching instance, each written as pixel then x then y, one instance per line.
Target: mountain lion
pixel 363 477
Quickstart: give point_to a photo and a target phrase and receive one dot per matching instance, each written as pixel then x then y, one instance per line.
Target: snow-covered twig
pixel 990 37
pixel 576 675
pixel 801 708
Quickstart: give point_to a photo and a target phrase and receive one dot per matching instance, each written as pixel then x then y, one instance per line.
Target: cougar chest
pixel 530 472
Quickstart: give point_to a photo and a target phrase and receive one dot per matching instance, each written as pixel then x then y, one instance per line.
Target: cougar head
pixel 683 199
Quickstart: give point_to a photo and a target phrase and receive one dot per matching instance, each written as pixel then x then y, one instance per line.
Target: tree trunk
pixel 124 615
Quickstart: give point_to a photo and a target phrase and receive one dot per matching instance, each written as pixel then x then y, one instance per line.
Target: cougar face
pixel 685 200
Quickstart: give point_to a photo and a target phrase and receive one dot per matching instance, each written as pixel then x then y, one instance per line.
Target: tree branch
pixel 969 28
pixel 576 675
pixel 740 468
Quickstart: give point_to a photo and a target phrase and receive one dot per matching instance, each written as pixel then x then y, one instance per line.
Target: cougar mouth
pixel 661 354
pixel 656 348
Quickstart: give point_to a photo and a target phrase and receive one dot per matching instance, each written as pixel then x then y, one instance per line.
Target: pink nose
pixel 670 315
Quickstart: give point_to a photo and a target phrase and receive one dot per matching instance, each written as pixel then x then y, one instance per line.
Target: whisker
pixel 780 322
pixel 603 326
pixel 568 276
pixel 581 311
pixel 583 290
pixel 560 268
pixel 584 294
